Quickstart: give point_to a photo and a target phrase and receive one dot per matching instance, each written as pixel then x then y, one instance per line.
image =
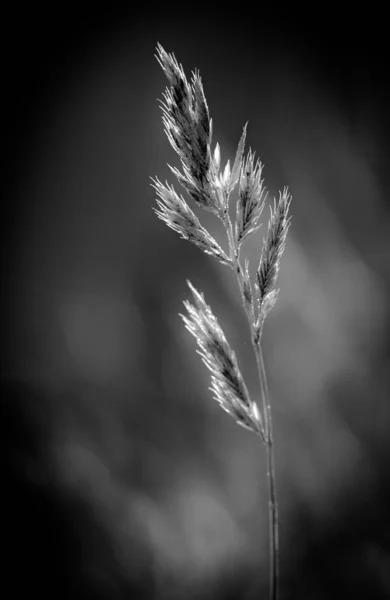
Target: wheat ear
pixel 188 127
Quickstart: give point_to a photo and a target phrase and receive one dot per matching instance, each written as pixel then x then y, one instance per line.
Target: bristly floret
pixel 180 89
pixel 273 247
pixel 227 383
pixel 188 127
pixel 201 112
pixel 176 213
pixel 251 198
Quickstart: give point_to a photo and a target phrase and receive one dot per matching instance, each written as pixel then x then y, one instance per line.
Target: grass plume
pixel 227 384
pixel 188 127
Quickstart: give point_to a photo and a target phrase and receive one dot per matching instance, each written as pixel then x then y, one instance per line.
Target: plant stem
pixel 272 499
pixel 268 430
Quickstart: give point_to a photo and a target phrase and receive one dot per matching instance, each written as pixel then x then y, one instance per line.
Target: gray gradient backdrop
pixel 123 478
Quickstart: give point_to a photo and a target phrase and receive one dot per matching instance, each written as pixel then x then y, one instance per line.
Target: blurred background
pixel 121 476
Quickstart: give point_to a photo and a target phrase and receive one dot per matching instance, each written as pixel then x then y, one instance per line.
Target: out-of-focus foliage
pixel 122 476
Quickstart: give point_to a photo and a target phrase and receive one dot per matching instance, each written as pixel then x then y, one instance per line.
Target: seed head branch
pixel 188 127
pixel 176 213
pixel 227 383
pixel 251 198
pixel 273 247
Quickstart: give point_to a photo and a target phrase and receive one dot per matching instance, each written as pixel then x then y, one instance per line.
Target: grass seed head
pixel 251 198
pixel 273 248
pixel 188 127
pixel 175 212
pixel 227 383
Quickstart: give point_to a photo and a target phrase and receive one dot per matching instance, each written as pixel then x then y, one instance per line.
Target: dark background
pixel 121 476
